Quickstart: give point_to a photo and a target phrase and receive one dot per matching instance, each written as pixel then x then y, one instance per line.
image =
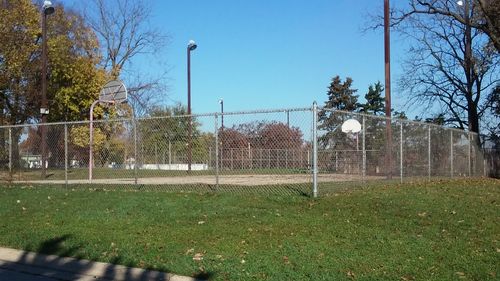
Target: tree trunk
pixel 16 136
pixel 473 118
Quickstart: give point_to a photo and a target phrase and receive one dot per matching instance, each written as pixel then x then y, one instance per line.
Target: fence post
pixel 221 152
pixel 169 154
pixel 269 158
pixel 66 154
pixel 336 161
pixel 429 152
pixel 401 151
pixel 301 158
pixel 232 158
pixel 10 153
pixel 308 159
pixel 315 150
pixel 216 152
pixel 286 158
pixel 209 164
pixel 135 149
pixel 156 152
pixel 451 153
pixel 261 159
pixel 364 150
pixel 250 156
pixel 242 153
pixel 470 158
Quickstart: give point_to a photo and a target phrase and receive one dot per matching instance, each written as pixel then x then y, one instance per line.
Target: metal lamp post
pixel 221 102
pixel 47 9
pixel 191 47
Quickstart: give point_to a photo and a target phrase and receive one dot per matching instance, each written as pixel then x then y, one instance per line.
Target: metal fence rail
pixel 297 149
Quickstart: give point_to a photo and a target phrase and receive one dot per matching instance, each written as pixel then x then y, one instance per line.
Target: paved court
pixel 241 180
pixel 18 265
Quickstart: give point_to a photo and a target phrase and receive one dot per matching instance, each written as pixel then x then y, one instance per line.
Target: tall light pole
pixel 47 9
pixel 221 102
pixel 387 59
pixel 191 47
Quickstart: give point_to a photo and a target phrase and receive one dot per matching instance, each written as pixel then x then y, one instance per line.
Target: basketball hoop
pixel 114 92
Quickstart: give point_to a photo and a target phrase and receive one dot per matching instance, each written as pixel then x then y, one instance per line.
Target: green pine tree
pixel 375 102
pixel 340 97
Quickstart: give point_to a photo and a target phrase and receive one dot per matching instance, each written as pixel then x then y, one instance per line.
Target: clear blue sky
pixel 262 54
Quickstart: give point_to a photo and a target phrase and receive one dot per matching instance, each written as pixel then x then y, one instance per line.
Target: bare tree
pixel 125 33
pixel 451 66
pixel 485 18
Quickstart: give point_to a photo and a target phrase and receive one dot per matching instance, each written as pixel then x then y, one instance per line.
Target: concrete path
pixel 18 265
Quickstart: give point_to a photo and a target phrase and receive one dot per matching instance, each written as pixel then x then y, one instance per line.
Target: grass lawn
pixel 444 230
pixel 107 173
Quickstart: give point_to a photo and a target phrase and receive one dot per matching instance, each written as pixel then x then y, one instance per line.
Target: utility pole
pixel 468 52
pixel 387 58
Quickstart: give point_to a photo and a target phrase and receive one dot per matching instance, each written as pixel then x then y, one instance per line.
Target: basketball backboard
pixel 351 126
pixel 113 92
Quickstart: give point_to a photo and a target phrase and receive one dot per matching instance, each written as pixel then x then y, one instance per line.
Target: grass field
pixel 443 230
pixel 106 173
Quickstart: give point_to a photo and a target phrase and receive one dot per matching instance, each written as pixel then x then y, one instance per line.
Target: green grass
pixel 443 230
pixel 106 173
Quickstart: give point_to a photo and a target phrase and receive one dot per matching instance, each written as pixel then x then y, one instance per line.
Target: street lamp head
pixel 192 45
pixel 221 101
pixel 48 8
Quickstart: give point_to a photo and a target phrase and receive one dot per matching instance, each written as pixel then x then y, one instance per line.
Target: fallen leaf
pixel 198 257
pixel 285 260
pixel 350 274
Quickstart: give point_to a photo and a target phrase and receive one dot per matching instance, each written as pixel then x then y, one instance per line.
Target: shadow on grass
pixel 55 246
pixel 302 190
pixel 51 263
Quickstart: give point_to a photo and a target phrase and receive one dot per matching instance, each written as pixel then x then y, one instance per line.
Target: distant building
pixel 31 161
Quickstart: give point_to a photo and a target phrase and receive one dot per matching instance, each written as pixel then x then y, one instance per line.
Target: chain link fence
pixel 301 150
